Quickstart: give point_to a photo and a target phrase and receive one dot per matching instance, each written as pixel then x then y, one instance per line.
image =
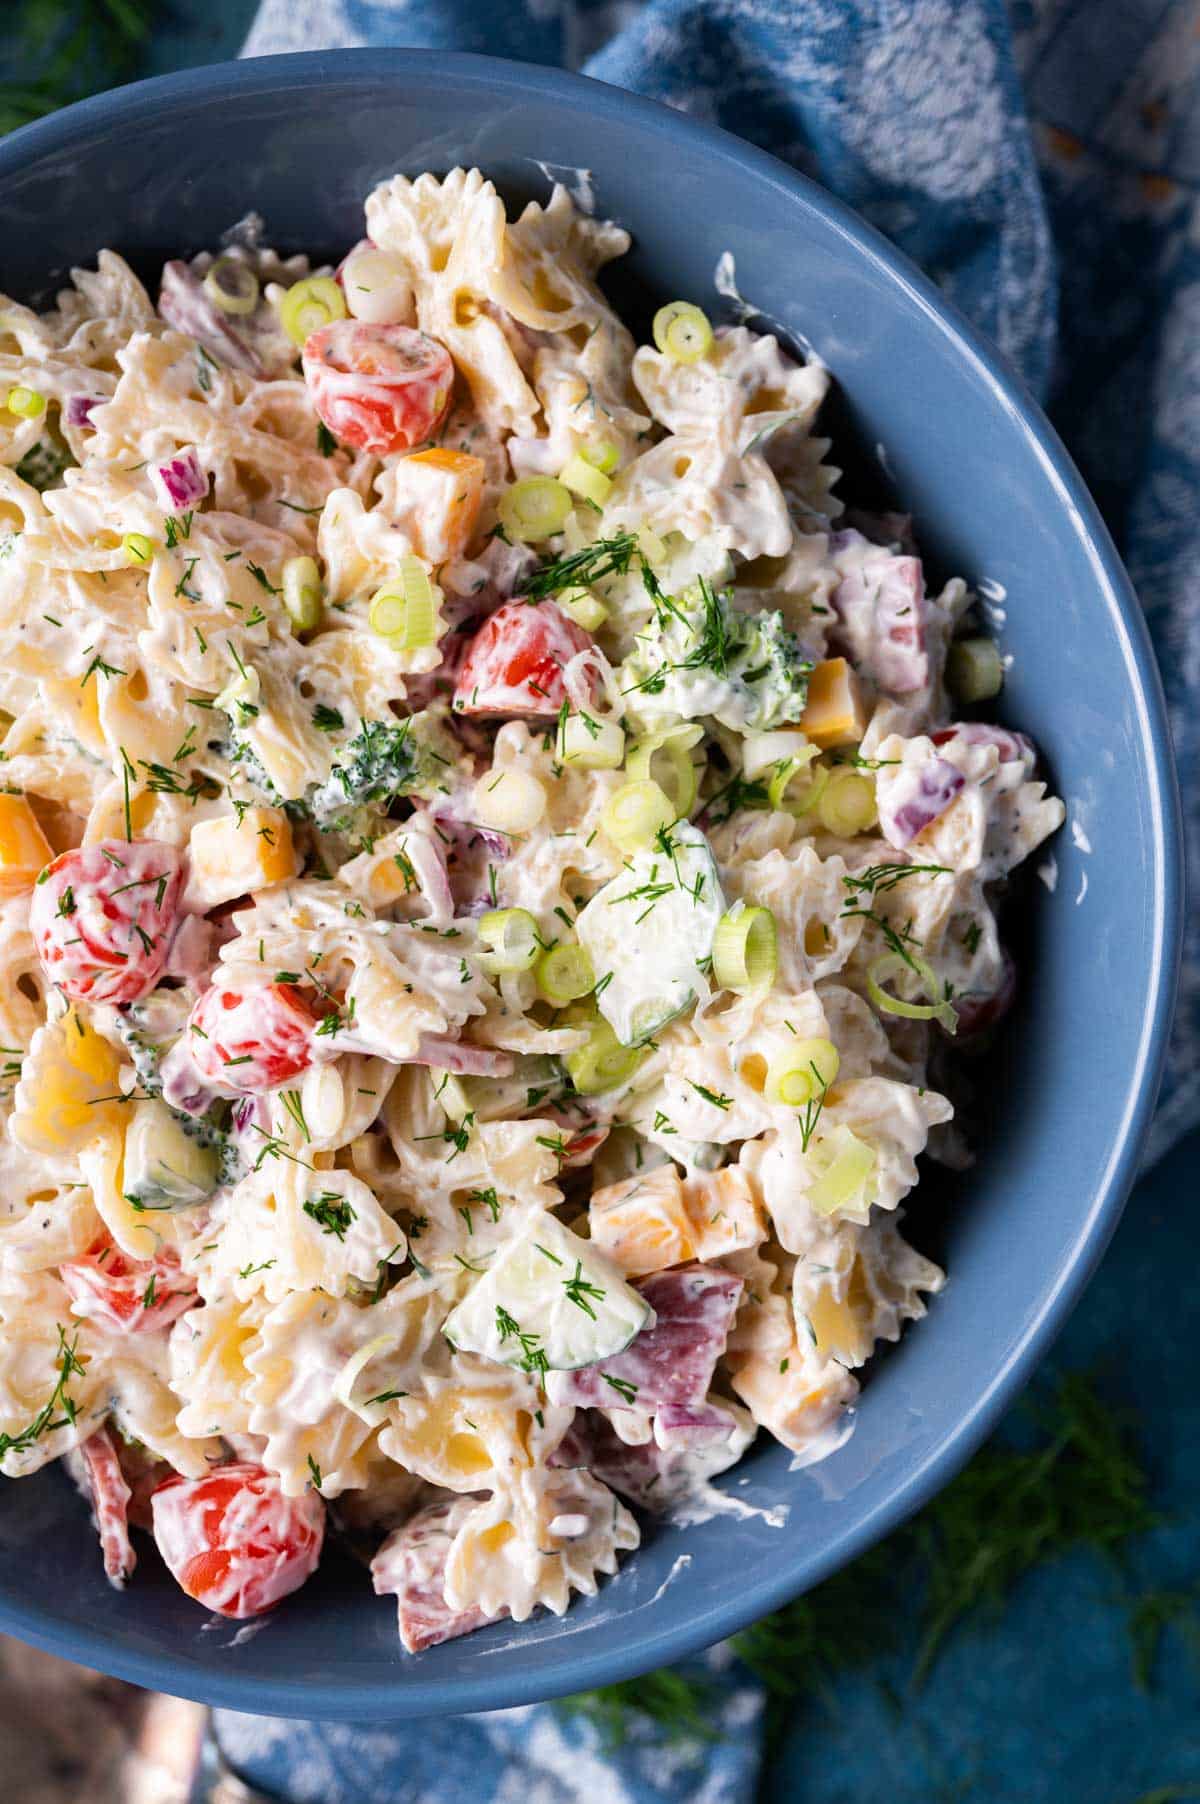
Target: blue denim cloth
pixel 1041 162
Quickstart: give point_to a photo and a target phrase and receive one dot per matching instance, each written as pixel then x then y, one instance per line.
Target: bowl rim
pixel 351 1699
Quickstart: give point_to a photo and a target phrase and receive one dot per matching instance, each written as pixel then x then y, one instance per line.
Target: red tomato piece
pixel 377 388
pixel 233 1540
pixel 102 917
pixel 514 664
pixel 251 1040
pixel 109 1494
pixel 128 1296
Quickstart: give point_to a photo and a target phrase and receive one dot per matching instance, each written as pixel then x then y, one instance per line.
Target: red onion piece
pixel 180 482
pixel 184 304
pixel 78 410
pixel 1011 746
pixel 463 1060
pixel 650 1476
pixel 680 1426
pixel 916 797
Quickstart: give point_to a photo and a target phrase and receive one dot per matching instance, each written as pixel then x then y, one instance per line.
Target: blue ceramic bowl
pixel 163 168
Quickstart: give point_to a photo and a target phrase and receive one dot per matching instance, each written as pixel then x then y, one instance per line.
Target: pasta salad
pixel 494 863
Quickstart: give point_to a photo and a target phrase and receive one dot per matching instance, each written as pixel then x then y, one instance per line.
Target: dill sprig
pixel 1078 1484
pixel 67 49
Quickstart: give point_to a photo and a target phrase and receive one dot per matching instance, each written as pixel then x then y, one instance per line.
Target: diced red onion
pixel 650 1476
pixel 1011 746
pixel 78 410
pixel 182 1086
pixel 463 1060
pixel 183 303
pixel 915 797
pixel 424 853
pixel 180 482
pixel 678 1425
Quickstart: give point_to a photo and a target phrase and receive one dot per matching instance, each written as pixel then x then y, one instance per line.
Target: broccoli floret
pixel 701 657
pixel 382 761
pixel 44 463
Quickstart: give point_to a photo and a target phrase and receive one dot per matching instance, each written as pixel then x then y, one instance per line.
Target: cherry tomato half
pixel 233 1540
pixel 514 664
pixel 251 1040
pixel 128 1296
pixel 377 388
pixel 102 918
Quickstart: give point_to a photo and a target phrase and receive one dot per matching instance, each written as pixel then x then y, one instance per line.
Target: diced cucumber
pixel 648 931
pixel 164 1165
pixel 550 1301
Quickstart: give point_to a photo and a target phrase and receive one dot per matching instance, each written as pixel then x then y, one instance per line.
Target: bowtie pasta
pixel 494 869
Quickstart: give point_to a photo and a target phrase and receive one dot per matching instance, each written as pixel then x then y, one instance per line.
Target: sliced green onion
pixel 309 305
pixel 602 454
pixel 509 938
pixel 343 1385
pixel 785 774
pixel 534 508
pixel 510 800
pixel 634 813
pixel 682 332
pixel 761 751
pixel 591 744
pixel 583 478
pixel 745 951
pixel 892 965
pixel 846 805
pixel 302 595
pixel 974 670
pixel 405 611
pixel 564 974
pixel 803 1071
pixel 652 547
pixel 584 608
pixel 450 1095
pixel 845 1166
pixel 232 286
pixel 603 1062
pixel 138 548
pixel 26 403
pixel 666 759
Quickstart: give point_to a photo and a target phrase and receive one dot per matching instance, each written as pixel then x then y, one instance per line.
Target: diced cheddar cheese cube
pixel 646 1224
pixel 228 857
pixel 435 501
pixel 24 848
pixel 835 712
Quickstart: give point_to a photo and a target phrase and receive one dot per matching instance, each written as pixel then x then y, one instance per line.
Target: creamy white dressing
pixel 369 1256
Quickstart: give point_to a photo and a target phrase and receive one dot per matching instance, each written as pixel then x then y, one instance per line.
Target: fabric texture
pixel 1041 162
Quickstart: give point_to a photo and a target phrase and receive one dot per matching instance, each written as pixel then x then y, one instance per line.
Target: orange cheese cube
pixel 228 857
pixel 647 1223
pixel 435 501
pixel 835 713
pixel 24 848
